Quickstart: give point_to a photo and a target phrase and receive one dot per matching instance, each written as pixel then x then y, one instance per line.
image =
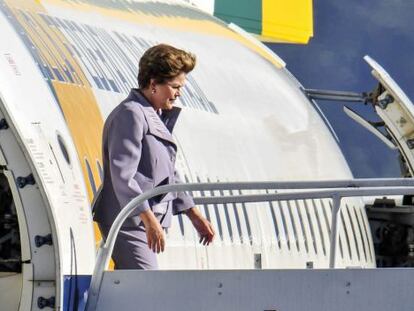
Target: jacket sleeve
pixel 124 148
pixel 184 200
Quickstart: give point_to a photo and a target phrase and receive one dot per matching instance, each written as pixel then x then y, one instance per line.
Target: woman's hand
pixel 154 231
pixel 202 225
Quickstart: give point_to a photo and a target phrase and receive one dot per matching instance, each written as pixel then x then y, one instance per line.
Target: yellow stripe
pixel 77 102
pixel 290 21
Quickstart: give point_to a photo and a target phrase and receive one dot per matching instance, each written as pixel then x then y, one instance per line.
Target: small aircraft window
pixel 98 164
pixel 63 148
pixel 90 175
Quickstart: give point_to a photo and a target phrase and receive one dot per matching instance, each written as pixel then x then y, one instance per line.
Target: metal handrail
pixel 334 189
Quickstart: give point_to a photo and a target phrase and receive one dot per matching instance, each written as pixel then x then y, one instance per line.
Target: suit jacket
pixel 138 153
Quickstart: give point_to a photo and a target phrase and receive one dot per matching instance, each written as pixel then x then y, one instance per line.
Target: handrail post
pixel 336 205
pixel 105 249
pixel 96 280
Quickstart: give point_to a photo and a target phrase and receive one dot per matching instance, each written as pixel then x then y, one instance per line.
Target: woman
pixel 139 154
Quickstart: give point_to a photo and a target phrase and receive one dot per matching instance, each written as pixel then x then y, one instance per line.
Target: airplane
pixel 66 64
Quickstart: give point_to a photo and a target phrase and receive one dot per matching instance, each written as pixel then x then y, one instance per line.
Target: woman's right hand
pixel 154 231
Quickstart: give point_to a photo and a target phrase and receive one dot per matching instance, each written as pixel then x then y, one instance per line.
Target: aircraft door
pixel 27 266
pixel 397 111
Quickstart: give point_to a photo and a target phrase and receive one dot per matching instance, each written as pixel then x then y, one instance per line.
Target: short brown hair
pixel 163 62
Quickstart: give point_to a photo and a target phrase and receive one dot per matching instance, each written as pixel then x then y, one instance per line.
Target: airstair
pixel 256 289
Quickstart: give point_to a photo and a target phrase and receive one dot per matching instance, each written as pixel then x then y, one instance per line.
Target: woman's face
pixel 164 95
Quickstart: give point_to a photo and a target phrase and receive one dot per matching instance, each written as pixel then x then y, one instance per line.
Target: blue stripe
pixel 75 289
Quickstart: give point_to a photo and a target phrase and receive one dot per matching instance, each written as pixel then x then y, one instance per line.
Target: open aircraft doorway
pixel 27 256
pixel 10 252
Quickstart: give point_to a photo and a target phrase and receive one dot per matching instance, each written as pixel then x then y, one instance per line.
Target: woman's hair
pixel 163 62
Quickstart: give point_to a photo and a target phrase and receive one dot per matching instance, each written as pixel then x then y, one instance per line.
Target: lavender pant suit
pixel 138 153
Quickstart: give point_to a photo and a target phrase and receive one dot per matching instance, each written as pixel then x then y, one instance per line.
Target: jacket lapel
pixel 156 126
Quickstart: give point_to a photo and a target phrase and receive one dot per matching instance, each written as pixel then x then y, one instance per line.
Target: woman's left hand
pixel 202 225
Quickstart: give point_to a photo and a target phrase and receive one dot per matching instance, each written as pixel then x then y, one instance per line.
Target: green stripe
pixel 245 13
